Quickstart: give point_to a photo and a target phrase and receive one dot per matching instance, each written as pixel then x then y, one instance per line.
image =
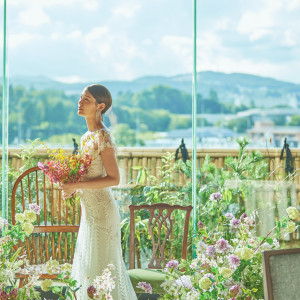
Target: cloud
pixel 34 16
pixel 74 35
pixel 69 79
pixel 19 39
pixel 127 10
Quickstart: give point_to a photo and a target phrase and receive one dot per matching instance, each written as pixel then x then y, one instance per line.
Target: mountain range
pixel 236 88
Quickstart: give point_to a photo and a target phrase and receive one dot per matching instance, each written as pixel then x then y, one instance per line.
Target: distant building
pixel 266 130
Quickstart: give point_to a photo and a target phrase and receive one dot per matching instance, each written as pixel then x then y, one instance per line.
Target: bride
pixel 99 237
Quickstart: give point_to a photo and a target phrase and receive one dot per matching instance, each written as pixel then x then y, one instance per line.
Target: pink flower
pixel 41 165
pixel 215 197
pixel 172 264
pixel 200 224
pixel 13 295
pixel 229 215
pixel 234 290
pixel 146 287
pixel 210 250
pixel 235 223
pixel 35 208
pixel 234 260
pixel 91 290
pixel 222 246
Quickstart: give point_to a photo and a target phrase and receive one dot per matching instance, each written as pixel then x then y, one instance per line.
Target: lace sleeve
pixel 104 140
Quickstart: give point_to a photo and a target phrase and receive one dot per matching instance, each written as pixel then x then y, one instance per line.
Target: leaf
pixel 269 240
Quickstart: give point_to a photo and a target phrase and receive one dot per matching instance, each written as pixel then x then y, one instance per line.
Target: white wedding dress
pixel 99 238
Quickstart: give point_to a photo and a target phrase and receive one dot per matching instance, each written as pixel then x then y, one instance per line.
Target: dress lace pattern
pixel 99 238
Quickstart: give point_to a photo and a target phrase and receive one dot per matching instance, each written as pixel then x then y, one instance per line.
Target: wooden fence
pixel 151 158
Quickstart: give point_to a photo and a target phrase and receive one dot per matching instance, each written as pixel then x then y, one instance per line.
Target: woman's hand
pixel 68 189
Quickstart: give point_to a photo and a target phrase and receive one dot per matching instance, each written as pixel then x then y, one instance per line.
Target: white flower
pixel 201 246
pixel 20 218
pixel 46 284
pixel 193 265
pixel 292 212
pixel 52 266
pixel 225 272
pixel 291 227
pixel 30 216
pixel 66 267
pixel 28 228
pixel 205 283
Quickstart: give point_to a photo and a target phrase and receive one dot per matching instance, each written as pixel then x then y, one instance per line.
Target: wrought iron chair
pixel 57 225
pixel 160 226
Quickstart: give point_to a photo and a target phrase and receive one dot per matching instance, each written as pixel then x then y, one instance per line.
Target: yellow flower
pixel 28 228
pixel 292 212
pixel 225 272
pixel 291 227
pixel 46 284
pixel 20 218
pixel 51 266
pixel 30 216
pixel 66 267
pixel 244 253
pixel 205 283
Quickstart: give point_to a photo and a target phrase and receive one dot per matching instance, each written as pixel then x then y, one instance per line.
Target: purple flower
pixel 146 287
pixel 13 295
pixel 222 246
pixel 3 295
pixel 35 208
pixel 234 290
pixel 235 223
pixel 172 264
pixel 210 250
pixel 200 224
pixel 243 216
pixel 91 290
pixel 185 281
pixel 234 260
pixel 209 275
pixel 215 197
pixel 229 215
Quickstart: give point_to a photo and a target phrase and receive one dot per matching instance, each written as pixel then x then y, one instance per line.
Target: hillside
pixel 235 87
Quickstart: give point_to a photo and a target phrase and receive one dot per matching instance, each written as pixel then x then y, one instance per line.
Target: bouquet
pixel 66 169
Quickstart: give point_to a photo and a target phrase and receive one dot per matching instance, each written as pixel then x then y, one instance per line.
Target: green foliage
pixel 240 125
pixel 295 120
pixel 50 113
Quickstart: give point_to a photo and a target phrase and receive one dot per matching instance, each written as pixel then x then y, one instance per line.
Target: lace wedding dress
pixel 99 238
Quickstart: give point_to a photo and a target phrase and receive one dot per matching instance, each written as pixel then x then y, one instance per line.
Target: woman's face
pixel 87 105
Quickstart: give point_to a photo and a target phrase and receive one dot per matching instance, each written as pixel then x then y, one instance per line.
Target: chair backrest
pixel 281 270
pixel 160 226
pixel 57 225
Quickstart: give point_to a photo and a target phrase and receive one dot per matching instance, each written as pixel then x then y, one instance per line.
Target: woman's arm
pixel 112 177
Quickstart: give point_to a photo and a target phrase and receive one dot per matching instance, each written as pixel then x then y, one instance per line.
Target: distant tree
pixel 163 97
pixel 279 120
pixel 240 125
pixel 124 135
pixel 295 120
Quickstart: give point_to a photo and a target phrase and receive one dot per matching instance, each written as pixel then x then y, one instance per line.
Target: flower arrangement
pixel 102 285
pixel 66 169
pixel 228 264
pixel 12 261
pixel 100 289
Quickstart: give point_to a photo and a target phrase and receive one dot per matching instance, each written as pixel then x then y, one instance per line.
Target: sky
pixel 84 40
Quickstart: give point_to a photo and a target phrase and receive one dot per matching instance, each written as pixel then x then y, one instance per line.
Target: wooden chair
pixel 281 270
pixel 160 223
pixel 57 225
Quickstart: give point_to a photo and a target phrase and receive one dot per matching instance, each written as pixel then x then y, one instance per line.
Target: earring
pixel 98 114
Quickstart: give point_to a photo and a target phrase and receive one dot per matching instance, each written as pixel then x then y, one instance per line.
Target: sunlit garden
pixel 203 130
